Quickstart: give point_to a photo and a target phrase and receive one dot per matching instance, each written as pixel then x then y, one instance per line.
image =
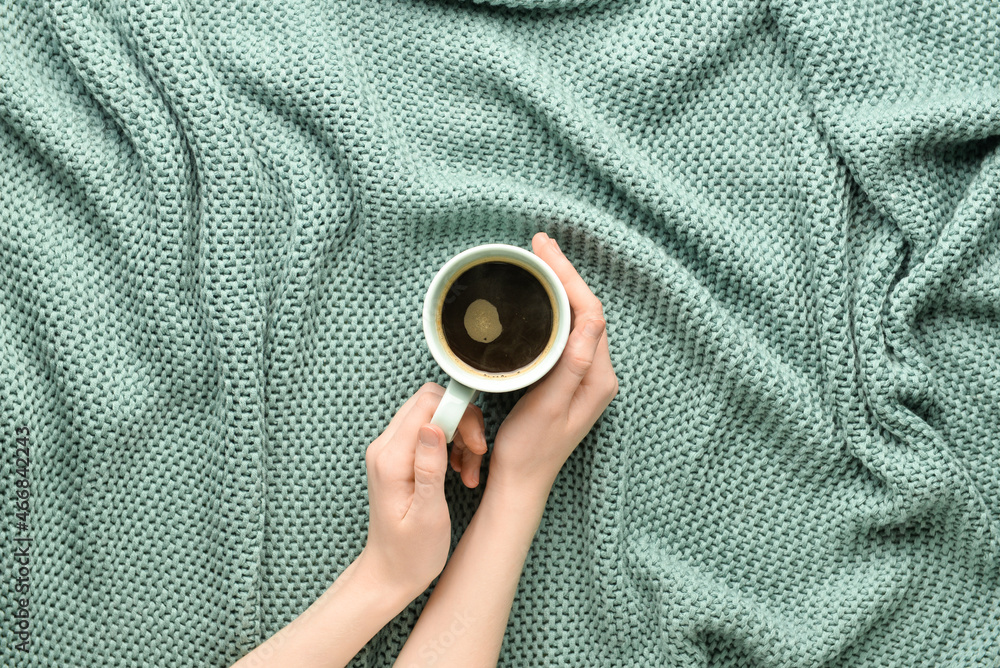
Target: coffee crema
pixel 497 316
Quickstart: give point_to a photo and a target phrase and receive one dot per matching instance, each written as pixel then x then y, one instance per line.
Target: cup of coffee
pixel 496 319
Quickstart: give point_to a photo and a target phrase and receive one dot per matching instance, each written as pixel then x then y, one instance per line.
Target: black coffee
pixel 497 317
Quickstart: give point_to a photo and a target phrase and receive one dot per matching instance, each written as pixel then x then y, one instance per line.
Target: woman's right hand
pixel 532 444
pixel 554 415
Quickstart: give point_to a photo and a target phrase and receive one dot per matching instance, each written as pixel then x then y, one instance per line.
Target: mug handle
pixel 449 412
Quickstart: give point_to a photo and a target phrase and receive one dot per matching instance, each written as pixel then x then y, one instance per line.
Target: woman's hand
pixel 409 528
pixel 409 533
pixel 541 431
pixel 554 415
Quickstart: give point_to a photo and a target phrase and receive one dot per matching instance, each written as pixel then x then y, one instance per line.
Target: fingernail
pixel 594 328
pixel 427 436
pixel 555 244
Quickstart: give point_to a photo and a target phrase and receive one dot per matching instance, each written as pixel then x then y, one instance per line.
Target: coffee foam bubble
pixel 482 321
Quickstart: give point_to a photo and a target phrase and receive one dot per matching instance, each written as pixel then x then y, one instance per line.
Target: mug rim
pixel 481 382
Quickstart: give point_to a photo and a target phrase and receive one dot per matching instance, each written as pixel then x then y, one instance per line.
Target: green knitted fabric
pixel 218 221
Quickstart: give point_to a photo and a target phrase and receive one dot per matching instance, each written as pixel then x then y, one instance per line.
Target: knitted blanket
pixel 218 221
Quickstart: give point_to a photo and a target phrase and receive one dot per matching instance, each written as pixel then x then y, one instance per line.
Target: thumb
pixel 430 464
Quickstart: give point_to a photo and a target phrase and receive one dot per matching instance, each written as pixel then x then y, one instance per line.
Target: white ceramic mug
pixel 466 382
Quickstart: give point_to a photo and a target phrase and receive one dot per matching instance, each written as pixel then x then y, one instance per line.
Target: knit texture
pixel 218 221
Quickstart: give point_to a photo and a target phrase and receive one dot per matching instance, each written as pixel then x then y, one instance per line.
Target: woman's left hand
pixel 409 528
pixel 409 534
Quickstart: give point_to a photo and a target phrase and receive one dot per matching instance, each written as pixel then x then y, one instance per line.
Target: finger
pixel 407 405
pixel 601 366
pixel 455 457
pixel 575 361
pixel 429 465
pixel 472 428
pixel 470 468
pixel 421 411
pixel 600 386
pixel 583 302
